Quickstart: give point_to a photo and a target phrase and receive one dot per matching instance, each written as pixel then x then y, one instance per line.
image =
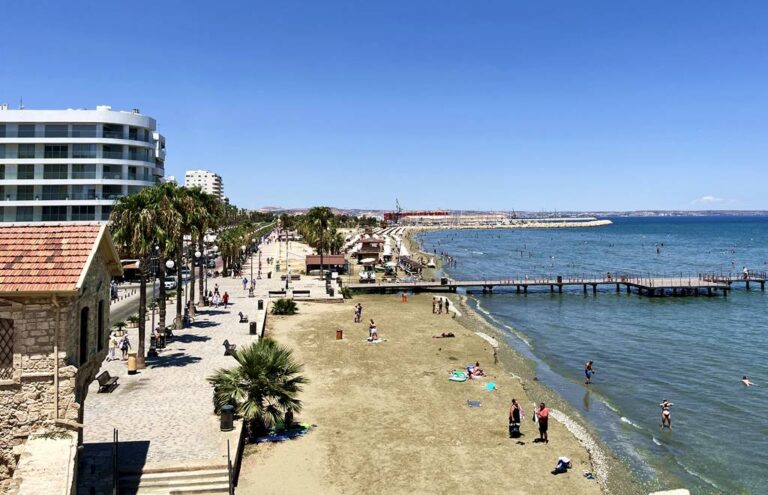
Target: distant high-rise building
pixel 63 165
pixel 206 180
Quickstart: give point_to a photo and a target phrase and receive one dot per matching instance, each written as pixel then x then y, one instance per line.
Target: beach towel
pixel 490 386
pixel 458 376
pixel 474 403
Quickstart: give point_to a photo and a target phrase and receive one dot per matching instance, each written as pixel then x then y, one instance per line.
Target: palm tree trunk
pixel 179 286
pixel 142 313
pixel 192 281
pixel 203 269
pixel 161 303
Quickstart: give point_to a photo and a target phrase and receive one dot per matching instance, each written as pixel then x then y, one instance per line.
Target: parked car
pixel 170 283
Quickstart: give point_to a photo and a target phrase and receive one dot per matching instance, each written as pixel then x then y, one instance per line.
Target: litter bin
pixel 559 279
pixel 131 362
pixel 253 328
pixel 331 292
pixel 339 334
pixel 227 418
pixel 269 274
pixel 444 281
pixel 261 304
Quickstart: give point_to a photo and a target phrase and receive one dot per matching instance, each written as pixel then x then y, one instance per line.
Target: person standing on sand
pixel 666 414
pixel 447 304
pixel 440 305
pixel 542 415
pixel 434 305
pixel 588 372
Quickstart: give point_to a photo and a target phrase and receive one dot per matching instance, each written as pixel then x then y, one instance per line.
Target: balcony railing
pixel 113 154
pixel 113 134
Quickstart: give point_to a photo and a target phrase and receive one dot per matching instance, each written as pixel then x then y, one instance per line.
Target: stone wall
pixel 28 400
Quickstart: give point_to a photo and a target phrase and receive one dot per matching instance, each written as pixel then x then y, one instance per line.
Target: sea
pixel 692 351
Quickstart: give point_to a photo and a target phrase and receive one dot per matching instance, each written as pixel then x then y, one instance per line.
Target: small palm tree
pixel 263 388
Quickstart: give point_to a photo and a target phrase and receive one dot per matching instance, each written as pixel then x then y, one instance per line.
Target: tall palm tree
pixel 134 228
pixel 263 387
pixel 316 225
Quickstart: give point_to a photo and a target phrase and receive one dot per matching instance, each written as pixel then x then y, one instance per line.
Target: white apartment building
pixel 62 165
pixel 208 181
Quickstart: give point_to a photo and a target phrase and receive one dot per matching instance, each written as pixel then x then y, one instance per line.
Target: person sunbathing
pixel 443 335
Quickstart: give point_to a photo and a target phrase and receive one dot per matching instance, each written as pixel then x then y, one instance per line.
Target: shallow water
pixel 690 350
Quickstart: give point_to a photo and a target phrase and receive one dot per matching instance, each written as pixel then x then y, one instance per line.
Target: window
pixel 138 154
pixel 99 324
pixel 2 150
pixel 54 171
pixel 2 172
pixel 131 173
pixel 112 131
pixel 111 192
pixel 56 130
pixel 55 193
pixel 84 213
pixel 26 151
pixel 113 151
pixel 56 151
pixel 3 131
pixel 112 172
pixel 83 335
pixel 87 171
pixel 25 172
pixel 105 211
pixel 83 151
pixel 83 192
pixel 26 130
pixel 54 213
pixel 24 213
pixel 84 130
pixel 6 349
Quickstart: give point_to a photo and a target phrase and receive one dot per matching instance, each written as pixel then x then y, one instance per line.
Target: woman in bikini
pixel 666 414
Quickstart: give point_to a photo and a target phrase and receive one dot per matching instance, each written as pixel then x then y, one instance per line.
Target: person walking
pixel 588 372
pixel 515 419
pixel 225 299
pixel 113 342
pixel 245 283
pixel 447 306
pixel 125 345
pixel 542 416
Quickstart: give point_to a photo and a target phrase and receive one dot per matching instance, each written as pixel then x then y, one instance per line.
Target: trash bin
pixel 331 292
pixel 131 362
pixel 269 274
pixel 339 334
pixel 261 304
pixel 444 281
pixel 227 418
pixel 253 329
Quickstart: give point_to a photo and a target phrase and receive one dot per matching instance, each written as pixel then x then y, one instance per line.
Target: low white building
pixel 65 165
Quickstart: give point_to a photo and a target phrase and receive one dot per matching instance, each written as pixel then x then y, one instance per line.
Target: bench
pixel 277 293
pixel 294 277
pixel 300 293
pixel 229 349
pixel 106 382
pixel 243 318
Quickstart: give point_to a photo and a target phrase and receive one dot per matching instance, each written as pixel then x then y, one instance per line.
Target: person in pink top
pixel 542 415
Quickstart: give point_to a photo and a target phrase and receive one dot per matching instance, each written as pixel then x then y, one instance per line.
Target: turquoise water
pixel 692 351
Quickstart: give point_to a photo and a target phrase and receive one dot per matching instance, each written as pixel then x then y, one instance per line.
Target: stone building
pixel 54 328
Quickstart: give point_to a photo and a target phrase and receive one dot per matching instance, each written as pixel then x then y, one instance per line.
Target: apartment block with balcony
pixel 73 165
pixel 208 181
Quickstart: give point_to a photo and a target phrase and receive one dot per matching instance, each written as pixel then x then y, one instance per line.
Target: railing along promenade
pixel 643 284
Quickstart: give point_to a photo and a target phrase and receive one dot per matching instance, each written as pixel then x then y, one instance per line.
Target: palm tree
pixel 134 228
pixel 315 226
pixel 263 387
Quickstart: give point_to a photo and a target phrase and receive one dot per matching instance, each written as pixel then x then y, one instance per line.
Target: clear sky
pixel 473 104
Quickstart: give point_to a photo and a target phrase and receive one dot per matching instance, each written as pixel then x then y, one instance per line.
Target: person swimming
pixel 666 414
pixel 745 380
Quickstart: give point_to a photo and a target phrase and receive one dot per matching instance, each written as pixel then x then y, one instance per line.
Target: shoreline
pixel 612 474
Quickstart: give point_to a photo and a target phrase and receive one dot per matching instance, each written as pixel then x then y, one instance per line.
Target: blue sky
pixel 527 105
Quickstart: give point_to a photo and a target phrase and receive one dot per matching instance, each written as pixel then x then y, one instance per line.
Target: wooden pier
pixel 694 285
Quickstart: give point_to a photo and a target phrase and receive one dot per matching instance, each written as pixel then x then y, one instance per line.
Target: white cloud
pixel 707 200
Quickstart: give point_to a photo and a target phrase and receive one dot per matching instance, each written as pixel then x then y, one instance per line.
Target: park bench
pixel 294 276
pixel 277 293
pixel 243 318
pixel 106 382
pixel 301 293
pixel 229 349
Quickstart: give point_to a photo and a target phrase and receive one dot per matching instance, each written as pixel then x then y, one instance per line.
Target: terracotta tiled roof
pixel 44 258
pixel 328 259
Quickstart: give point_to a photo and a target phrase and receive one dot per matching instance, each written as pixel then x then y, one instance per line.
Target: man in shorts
pixel 542 414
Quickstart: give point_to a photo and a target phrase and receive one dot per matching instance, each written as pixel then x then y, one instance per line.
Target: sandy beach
pixel 389 420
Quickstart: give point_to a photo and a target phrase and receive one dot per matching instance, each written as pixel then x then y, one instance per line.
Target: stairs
pixel 197 481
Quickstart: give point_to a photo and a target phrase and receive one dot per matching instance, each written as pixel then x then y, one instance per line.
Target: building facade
pixel 73 165
pixel 209 182
pixel 54 327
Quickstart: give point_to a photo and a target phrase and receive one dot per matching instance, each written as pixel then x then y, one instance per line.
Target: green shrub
pixel 346 293
pixel 284 307
pixel 133 319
